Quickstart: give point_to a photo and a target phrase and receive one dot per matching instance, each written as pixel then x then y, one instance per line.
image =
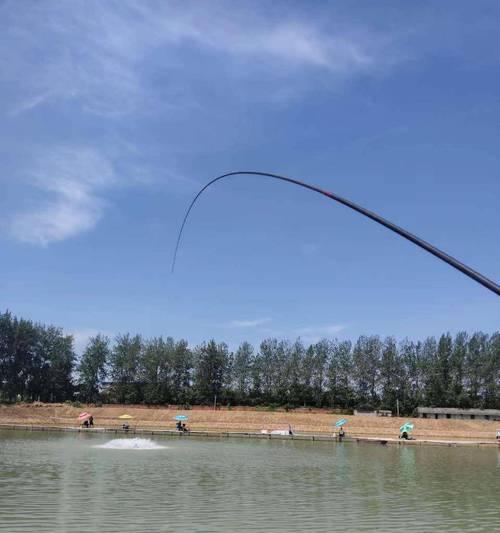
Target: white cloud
pixel 249 323
pixel 108 62
pixel 71 179
pixel 314 334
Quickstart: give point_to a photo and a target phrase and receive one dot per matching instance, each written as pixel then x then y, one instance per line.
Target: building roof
pixel 456 411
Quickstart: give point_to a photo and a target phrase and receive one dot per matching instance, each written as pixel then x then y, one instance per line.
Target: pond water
pixel 61 482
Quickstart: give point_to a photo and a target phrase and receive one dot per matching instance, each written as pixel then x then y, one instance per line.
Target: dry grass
pixel 243 419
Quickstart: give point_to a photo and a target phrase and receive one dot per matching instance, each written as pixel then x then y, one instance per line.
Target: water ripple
pixel 63 482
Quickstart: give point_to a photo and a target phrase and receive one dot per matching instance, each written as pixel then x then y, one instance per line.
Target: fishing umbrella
pixel 83 416
pixel 125 417
pixel 180 418
pixel 341 422
pixel 407 426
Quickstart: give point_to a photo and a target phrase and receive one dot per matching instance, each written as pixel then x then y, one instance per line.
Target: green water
pixel 55 482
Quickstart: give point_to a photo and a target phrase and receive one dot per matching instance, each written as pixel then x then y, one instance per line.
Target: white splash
pixel 131 444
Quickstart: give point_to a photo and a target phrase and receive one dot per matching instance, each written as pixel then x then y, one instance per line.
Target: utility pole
pixel 397 406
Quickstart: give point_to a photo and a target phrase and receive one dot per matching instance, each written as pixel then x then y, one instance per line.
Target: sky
pixel 114 114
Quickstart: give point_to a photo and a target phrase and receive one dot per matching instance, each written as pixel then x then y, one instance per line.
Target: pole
pixel 468 271
pixel 215 402
pixel 397 406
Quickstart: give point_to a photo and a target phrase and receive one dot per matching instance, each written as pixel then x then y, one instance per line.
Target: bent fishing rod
pixel 468 271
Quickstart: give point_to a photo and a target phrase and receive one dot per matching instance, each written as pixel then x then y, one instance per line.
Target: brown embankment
pixel 315 421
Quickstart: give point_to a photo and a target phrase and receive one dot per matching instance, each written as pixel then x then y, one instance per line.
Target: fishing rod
pixel 468 271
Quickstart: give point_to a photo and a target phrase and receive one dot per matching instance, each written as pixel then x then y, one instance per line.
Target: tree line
pixel 38 362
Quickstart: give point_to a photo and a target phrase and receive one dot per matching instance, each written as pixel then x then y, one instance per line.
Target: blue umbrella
pixel 180 417
pixel 407 426
pixel 341 422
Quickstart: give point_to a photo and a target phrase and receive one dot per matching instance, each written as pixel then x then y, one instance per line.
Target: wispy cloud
pixel 313 334
pixel 71 180
pixel 108 62
pixel 249 323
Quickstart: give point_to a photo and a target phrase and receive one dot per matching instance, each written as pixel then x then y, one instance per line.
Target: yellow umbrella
pixel 125 417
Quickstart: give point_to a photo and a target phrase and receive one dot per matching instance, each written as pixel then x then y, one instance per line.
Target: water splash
pixel 131 444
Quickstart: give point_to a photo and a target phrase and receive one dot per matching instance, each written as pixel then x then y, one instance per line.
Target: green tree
pixel 182 364
pixel 366 359
pixel 475 367
pixel 124 365
pixel 92 367
pixel 210 373
pixel 242 371
pixel 340 375
pixel 391 374
pixel 492 373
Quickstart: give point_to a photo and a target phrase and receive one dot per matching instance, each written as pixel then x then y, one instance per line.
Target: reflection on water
pixel 63 482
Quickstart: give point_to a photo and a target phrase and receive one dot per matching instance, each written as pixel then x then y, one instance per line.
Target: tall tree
pixel 182 373
pixel 366 358
pixel 124 365
pixel 92 367
pixel 242 371
pixel 391 374
pixel 492 374
pixel 211 367
pixel 57 350
pixel 340 375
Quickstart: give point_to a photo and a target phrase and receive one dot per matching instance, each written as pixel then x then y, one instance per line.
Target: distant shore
pixel 242 419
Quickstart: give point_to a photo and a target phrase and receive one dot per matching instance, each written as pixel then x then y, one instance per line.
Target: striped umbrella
pixel 181 418
pixel 341 422
pixel 83 416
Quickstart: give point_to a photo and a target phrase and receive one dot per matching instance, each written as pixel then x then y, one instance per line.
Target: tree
pixel 321 355
pixel 156 370
pixel 439 373
pixel 124 366
pixel 366 358
pixel 92 368
pixel 475 367
pixel 57 350
pixel 242 371
pixel 37 363
pixel 210 374
pixel 181 373
pixel 391 374
pixel 340 373
pixel 492 374
pixel 457 394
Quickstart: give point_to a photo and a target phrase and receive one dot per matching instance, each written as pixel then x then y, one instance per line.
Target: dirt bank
pixel 244 419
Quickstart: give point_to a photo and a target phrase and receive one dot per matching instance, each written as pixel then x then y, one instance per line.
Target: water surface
pixel 57 482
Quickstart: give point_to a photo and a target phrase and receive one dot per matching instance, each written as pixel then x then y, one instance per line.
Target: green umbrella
pixel 407 426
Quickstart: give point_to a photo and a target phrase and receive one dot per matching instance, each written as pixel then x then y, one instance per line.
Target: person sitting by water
pixel 85 423
pixel 290 432
pixel 404 435
pixel 341 433
pixel 125 427
pixel 178 425
pixel 91 421
pixel 185 428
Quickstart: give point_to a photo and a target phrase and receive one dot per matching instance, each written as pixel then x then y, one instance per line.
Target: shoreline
pixel 307 424
pixel 240 434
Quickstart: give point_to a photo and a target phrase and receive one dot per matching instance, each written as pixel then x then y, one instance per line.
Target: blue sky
pixel 115 113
